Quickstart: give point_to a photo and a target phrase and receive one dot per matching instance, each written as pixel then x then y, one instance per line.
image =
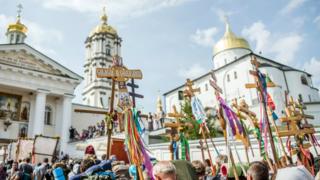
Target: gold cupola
pixel 16 32
pixel 230 41
pixel 103 27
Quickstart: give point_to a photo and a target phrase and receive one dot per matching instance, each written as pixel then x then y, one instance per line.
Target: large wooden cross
pixel 133 93
pixel 259 87
pixel 118 73
pixel 294 117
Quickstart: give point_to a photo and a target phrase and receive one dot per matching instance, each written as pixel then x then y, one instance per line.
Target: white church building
pixel 231 64
pixel 36 92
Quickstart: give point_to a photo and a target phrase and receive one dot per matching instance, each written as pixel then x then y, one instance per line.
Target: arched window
pixel 228 77
pixel 304 80
pixel 18 38
pixel 108 49
pixel 48 116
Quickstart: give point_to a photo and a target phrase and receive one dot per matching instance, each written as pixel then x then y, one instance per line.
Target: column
pixel 39 110
pixel 66 121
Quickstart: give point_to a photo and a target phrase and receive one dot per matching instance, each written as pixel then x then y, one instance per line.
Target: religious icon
pixel 23 130
pixel 10 106
pixel 25 111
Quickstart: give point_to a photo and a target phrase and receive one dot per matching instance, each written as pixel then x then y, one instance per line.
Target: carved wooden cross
pixel 258 86
pixel 175 128
pixel 189 91
pixel 295 115
pixel 118 73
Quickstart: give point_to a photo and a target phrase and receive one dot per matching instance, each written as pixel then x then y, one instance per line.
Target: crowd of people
pixel 91 167
pixel 88 133
pixel 151 122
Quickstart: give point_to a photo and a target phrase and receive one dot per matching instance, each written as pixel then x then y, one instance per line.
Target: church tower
pixel 102 44
pixel 16 32
pixel 229 48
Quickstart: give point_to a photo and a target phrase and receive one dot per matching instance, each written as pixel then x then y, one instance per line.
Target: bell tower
pixel 16 32
pixel 102 44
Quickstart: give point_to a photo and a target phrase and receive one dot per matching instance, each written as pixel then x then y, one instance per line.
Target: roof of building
pixel 280 66
pixel 229 41
pixel 70 74
pixel 103 27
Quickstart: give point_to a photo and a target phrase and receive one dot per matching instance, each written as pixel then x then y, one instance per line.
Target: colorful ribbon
pixel 185 149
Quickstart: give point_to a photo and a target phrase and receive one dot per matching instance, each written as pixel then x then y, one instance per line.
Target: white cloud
pixel 37 36
pixel 257 32
pixel 204 37
pixel 283 47
pixel 192 72
pixel 317 21
pixel 286 47
pixel 313 67
pixel 117 8
pixel 292 5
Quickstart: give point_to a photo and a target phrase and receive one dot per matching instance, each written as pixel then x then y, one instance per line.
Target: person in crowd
pixel 307 162
pixel 283 161
pixel 220 159
pixel 150 122
pixel 207 165
pixel 13 173
pixel 40 171
pixel 258 171
pixel 3 171
pixel 294 173
pixel 26 167
pixel 164 170
pixel 200 169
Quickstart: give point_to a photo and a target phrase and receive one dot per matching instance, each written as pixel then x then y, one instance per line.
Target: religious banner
pixel 44 147
pixel 24 148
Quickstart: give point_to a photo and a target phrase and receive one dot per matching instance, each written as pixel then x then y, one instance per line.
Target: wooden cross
pixel 258 86
pixel 118 73
pixel 245 139
pixel 295 115
pixel 133 94
pixel 175 128
pixel 189 91
pixel 223 123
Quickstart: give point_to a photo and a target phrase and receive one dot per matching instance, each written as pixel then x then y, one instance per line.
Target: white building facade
pixel 101 45
pixel 36 92
pixel 232 62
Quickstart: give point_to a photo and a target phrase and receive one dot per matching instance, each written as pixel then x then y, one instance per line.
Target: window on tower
pixel 18 38
pixel 304 80
pixel 108 50
pixel 11 38
pixel 235 75
pixel 228 77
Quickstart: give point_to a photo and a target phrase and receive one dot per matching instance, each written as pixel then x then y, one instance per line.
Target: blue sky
pixel 171 40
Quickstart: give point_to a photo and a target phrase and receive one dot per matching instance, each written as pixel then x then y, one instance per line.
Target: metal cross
pixel 20 7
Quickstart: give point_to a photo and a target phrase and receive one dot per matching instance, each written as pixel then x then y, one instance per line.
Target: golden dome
pixel 229 41
pixel 103 27
pixel 18 26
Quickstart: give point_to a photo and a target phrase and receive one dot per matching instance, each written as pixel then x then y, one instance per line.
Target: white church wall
pixel 296 87
pixel 228 56
pixel 84 120
pixel 313 109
